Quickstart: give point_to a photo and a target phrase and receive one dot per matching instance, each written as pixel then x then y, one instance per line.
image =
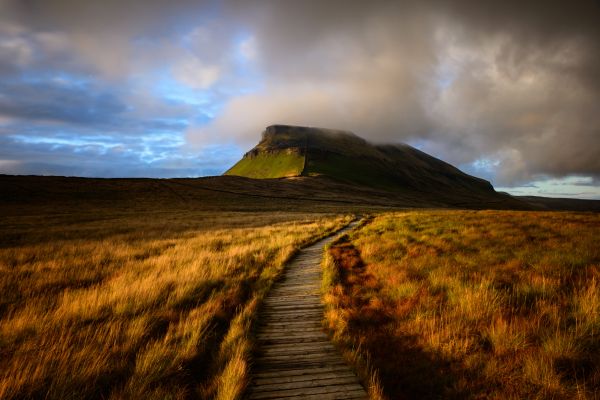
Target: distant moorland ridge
pixel 311 169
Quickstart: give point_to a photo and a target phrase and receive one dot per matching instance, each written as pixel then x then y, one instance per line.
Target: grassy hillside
pixel 269 165
pixel 472 304
pixel 359 171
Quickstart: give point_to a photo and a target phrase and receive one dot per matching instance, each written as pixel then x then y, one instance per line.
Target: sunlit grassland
pixel 141 305
pixel 472 304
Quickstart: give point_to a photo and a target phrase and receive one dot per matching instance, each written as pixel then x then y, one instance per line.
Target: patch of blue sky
pixel 165 139
pixel 418 143
pixel 484 167
pixel 165 124
pixel 146 150
pixel 576 186
pixel 485 164
pixel 245 66
pixel 171 91
pixel 445 80
pixel 68 140
pixel 209 102
pixel 445 74
pixel 64 78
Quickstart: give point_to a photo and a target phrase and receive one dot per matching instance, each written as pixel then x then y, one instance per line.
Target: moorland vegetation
pixel 138 305
pixel 470 304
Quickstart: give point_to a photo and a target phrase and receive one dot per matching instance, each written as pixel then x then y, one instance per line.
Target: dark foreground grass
pixel 143 305
pixel 465 304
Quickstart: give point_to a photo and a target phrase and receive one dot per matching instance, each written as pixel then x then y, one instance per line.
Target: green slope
pixel 348 169
pixel 269 165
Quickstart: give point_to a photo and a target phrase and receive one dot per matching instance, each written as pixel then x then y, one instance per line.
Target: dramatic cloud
pixel 516 85
pixel 506 90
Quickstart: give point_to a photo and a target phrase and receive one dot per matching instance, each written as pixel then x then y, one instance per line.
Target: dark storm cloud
pixel 511 86
pixel 515 83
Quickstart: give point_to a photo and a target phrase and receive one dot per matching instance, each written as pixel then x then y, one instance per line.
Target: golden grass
pixel 154 306
pixel 472 304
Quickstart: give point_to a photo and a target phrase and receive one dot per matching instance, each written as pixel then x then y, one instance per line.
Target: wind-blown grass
pixel 465 304
pixel 136 307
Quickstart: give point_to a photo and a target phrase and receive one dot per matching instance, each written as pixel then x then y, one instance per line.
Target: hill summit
pixel 292 151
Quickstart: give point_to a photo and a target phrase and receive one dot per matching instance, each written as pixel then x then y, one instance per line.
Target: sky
pixel 508 91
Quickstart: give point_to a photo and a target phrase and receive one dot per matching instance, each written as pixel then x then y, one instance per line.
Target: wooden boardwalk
pixel 295 359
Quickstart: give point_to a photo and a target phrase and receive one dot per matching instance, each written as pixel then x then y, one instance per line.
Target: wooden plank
pixel 306 364
pixel 297 285
pixel 307 377
pixel 289 317
pixel 297 296
pixel 295 353
pixel 308 347
pixel 316 311
pixel 291 332
pixel 305 346
pixel 276 338
pixel 323 344
pixel 348 389
pixel 301 274
pixel 296 306
pixel 317 314
pixel 291 304
pixel 314 315
pixel 306 335
pixel 300 371
pixel 329 356
pixel 296 289
pixel 289 286
pixel 275 344
pixel 338 381
pixel 311 309
pixel 308 332
pixel 331 396
pixel 287 302
pixel 298 293
pixel 264 323
pixel 305 277
pixel 269 341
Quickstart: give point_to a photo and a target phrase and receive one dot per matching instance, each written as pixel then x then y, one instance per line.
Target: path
pixel 295 357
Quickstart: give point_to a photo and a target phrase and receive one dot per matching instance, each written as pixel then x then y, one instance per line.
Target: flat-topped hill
pixel 288 151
